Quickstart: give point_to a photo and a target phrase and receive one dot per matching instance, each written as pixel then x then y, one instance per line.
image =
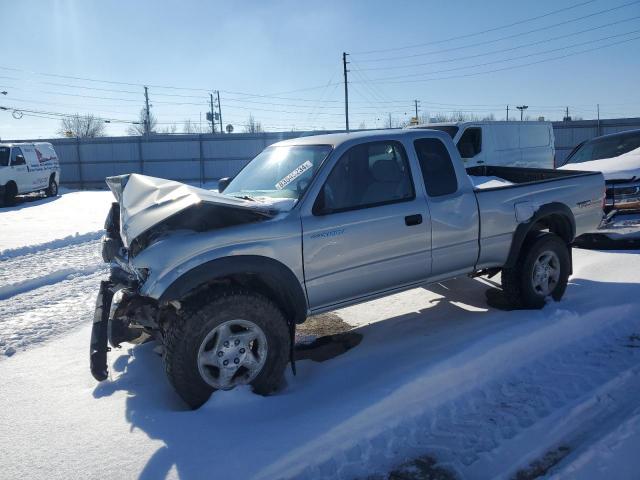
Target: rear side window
pixel 4 156
pixel 470 143
pixel 437 168
pixel 367 175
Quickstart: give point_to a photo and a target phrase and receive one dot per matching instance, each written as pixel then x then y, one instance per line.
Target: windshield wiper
pixel 245 197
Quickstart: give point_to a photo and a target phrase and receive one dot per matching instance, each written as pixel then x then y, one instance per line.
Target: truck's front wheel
pixel 542 271
pixel 236 338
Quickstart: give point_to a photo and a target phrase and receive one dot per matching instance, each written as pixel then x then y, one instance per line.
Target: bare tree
pixel 191 127
pixel 82 126
pixel 252 126
pixel 173 128
pixel 362 126
pixel 138 128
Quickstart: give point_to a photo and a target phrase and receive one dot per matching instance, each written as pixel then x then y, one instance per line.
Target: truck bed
pixel 501 206
pixel 521 176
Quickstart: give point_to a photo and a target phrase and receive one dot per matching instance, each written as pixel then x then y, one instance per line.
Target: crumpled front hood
pixel 623 167
pixel 148 201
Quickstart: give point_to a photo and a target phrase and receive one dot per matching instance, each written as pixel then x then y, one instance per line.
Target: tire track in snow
pixel 41 314
pixel 33 270
pixel 59 243
pixel 482 432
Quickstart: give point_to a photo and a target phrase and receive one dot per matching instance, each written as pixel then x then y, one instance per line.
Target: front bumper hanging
pixel 99 333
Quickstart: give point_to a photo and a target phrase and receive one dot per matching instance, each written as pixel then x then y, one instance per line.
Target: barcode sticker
pixel 293 175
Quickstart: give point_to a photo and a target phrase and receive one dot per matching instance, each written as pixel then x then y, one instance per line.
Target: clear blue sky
pixel 274 48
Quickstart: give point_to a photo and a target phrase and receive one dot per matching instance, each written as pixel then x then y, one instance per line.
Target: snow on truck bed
pixel 488 182
pixel 439 379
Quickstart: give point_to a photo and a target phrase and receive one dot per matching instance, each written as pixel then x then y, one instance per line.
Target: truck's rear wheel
pixel 52 189
pixel 236 338
pixel 10 192
pixel 542 271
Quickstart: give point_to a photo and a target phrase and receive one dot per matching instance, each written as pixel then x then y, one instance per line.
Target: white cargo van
pixel 26 168
pixel 513 144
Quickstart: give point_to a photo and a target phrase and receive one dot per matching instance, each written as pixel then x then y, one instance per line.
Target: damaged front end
pixel 147 210
pixel 121 313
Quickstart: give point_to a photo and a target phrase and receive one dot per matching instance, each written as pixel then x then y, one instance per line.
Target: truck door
pixel 19 172
pixel 453 210
pixel 366 230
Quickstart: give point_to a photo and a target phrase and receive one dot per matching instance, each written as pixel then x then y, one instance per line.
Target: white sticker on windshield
pixel 293 175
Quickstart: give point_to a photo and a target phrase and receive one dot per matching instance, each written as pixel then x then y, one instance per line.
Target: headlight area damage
pixel 146 210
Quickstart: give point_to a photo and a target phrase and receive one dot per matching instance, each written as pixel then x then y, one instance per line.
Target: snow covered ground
pixel 439 375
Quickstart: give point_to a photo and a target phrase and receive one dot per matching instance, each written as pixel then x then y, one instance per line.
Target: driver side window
pixel 367 175
pixel 17 158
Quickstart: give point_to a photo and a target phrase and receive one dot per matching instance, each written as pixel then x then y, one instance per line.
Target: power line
pixel 448 60
pixel 507 37
pixel 468 35
pixel 516 66
pixel 509 59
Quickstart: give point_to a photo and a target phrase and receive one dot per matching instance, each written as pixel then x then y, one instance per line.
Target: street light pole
pixel 522 108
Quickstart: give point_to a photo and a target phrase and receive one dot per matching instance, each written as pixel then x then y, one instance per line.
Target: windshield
pixel 606 147
pixel 4 156
pixel 279 172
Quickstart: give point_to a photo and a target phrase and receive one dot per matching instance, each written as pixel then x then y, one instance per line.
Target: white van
pixel 26 168
pixel 513 144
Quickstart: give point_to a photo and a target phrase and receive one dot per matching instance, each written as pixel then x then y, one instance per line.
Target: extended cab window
pixel 437 169
pixel 367 175
pixel 4 156
pixel 17 157
pixel 470 143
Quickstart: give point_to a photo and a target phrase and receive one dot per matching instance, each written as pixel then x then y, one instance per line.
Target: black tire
pixel 517 282
pixel 10 193
pixel 187 332
pixel 52 189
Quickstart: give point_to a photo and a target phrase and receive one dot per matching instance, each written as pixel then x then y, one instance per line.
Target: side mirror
pixel 224 183
pixel 19 160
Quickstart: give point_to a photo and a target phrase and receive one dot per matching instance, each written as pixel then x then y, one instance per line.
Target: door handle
pixel 410 220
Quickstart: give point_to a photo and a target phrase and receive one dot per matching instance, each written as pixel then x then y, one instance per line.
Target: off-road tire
pixel 52 189
pixel 516 281
pixel 10 193
pixel 186 332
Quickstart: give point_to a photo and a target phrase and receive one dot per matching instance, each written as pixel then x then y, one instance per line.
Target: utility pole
pixel 147 116
pixel 220 111
pixel 507 113
pixel 522 108
pixel 346 91
pixel 566 115
pixel 598 107
pixel 390 124
pixel 213 118
pixel 416 104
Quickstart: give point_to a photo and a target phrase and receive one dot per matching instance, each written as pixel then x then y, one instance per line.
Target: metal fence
pixel 197 159
pixel 193 159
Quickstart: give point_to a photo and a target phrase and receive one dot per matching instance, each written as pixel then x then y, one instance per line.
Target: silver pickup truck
pixel 314 224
